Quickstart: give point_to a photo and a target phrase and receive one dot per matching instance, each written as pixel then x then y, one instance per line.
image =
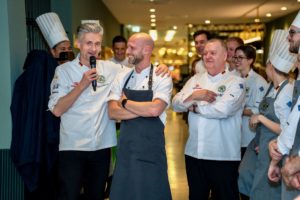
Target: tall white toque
pixel 280 57
pixel 296 21
pixel 52 28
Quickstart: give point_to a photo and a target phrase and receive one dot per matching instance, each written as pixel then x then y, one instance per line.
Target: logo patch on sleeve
pixel 241 86
pixel 261 89
pixel 289 104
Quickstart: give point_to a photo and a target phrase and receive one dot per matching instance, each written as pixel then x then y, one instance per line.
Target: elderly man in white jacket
pixel 212 152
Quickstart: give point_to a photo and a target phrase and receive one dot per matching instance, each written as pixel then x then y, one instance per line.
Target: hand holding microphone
pixel 93 65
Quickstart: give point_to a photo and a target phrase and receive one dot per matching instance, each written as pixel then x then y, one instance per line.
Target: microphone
pixel 93 65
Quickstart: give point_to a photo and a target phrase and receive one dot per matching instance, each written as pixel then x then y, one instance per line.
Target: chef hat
pixel 52 28
pixel 281 58
pixel 90 21
pixel 278 36
pixel 296 21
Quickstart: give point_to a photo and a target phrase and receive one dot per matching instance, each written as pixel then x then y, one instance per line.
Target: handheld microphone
pixel 93 65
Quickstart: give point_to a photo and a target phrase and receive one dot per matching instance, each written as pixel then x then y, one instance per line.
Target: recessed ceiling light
pixel 152 16
pixel 269 14
pixel 153 20
pixel 175 27
pixel 256 20
pixel 190 25
pixel 283 8
pixel 153 24
pixel 152 10
pixel 298 0
pixel 207 21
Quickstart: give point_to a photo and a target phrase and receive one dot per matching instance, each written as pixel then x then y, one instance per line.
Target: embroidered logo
pixel 222 88
pixel 241 86
pixel 261 89
pixel 289 104
pixel 101 79
pixel 247 90
pixel 264 106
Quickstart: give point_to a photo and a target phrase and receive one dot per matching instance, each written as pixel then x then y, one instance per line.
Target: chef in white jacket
pixel 216 101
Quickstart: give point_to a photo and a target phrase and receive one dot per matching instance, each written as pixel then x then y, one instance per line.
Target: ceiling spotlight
pixel 298 0
pixel 190 25
pixel 169 35
pixel 152 16
pixel 256 20
pixel 153 20
pixel 153 34
pixel 207 21
pixel 175 27
pixel 269 14
pixel 283 8
pixel 153 24
pixel 152 10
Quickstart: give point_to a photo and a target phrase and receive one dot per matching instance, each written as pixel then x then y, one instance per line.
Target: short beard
pixel 134 60
pixel 294 47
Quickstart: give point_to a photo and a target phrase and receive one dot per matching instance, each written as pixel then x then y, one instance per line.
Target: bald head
pixel 143 39
pixel 139 49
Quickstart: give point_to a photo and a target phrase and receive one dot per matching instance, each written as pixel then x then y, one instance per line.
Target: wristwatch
pixel 123 103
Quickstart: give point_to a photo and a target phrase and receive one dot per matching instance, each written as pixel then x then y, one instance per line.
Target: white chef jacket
pixel 286 138
pixel 215 130
pixel 85 126
pixel 256 88
pixel 200 68
pixel 161 86
pixel 123 62
pixel 283 103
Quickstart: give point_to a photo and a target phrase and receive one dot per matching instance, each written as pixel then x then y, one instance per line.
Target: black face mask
pixel 66 56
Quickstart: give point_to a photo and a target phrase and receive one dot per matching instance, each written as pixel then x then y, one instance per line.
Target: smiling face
pixel 89 45
pixel 214 56
pixel 119 49
pixel 294 39
pixel 200 41
pixel 242 63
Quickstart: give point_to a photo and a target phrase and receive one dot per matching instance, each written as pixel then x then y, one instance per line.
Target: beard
pixel 294 47
pixel 135 59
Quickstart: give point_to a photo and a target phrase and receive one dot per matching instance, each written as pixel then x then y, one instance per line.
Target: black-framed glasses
pixel 292 32
pixel 239 58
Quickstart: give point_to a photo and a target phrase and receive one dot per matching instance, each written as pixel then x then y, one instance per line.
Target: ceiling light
pixel 153 24
pixel 169 35
pixel 256 20
pixel 135 29
pixel 153 34
pixel 254 39
pixel 269 14
pixel 298 0
pixel 207 21
pixel 190 25
pixel 152 10
pixel 175 27
pixel 153 20
pixel 283 8
pixel 152 16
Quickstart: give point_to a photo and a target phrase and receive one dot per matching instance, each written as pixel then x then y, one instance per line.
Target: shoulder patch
pixel 261 89
pixel 241 86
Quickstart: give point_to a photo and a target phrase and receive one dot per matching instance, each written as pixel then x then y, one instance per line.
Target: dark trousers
pixel 219 177
pixel 83 169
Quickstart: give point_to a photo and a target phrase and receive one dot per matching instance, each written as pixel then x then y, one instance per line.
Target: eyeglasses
pixel 292 32
pixel 239 58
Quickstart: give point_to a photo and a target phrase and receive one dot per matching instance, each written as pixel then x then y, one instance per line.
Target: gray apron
pixel 141 166
pixel 248 164
pixel 262 188
pixel 287 192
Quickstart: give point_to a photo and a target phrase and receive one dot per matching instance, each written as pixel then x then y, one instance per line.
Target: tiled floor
pixel 176 134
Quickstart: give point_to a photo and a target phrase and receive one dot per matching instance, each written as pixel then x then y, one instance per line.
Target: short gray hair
pixel 89 28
